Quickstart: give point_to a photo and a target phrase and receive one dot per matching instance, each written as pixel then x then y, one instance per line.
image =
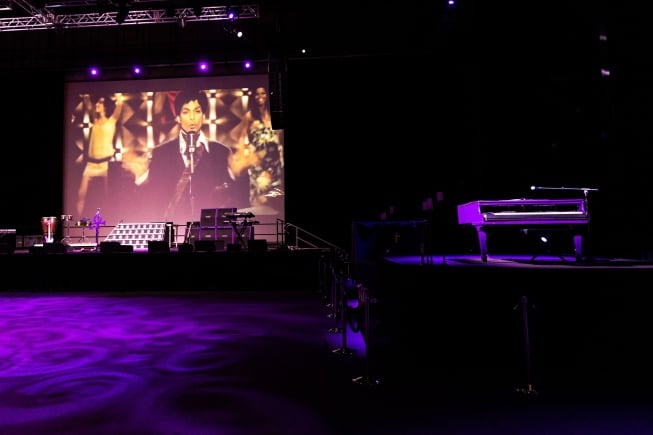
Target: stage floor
pixel 517 260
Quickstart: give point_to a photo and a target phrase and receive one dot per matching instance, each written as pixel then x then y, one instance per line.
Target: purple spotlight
pixel 232 13
pixel 137 70
pixel 248 65
pixel 203 66
pixel 93 71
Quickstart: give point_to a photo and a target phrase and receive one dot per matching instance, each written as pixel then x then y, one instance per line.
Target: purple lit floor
pixel 245 363
pixel 443 356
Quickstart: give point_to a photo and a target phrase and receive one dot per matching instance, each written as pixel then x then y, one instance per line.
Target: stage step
pixel 139 234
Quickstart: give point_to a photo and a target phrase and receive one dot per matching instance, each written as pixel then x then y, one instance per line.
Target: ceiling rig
pixel 20 15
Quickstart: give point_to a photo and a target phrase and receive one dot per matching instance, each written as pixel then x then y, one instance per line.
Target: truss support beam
pixel 45 18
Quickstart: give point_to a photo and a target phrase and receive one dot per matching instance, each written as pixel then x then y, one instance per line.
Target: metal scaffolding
pixel 20 15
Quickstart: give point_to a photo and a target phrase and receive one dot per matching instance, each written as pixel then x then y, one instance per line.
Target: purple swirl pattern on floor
pixel 157 364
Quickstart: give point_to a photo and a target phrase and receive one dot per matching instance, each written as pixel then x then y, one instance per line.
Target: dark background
pixel 391 104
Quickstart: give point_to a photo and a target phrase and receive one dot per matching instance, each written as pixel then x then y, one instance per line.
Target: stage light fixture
pixel 232 13
pixel 203 66
pixel 248 65
pixel 93 71
pixel 137 70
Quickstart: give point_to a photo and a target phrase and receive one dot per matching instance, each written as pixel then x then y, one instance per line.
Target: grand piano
pixel 526 213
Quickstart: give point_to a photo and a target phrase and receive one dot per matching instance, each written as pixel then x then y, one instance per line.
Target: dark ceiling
pixel 67 34
pixel 63 34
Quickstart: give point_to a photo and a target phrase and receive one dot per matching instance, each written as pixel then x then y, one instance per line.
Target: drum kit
pixel 49 227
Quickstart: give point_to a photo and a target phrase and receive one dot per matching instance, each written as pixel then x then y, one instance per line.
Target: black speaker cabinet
pixel 170 232
pixel 225 234
pixel 208 217
pixel 207 233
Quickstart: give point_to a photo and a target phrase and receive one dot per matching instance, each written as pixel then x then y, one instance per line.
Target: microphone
pixel 191 150
pixel 192 136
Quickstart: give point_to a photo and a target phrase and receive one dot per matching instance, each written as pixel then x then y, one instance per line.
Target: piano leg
pixel 578 246
pixel 482 242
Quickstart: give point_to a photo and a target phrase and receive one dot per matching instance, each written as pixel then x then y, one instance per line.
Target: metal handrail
pixel 294 237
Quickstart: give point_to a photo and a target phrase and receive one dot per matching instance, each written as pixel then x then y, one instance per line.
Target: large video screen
pixel 164 150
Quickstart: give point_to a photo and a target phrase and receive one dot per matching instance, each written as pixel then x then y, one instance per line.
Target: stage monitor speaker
pixel 110 247
pixel 205 246
pixel 157 246
pixel 258 245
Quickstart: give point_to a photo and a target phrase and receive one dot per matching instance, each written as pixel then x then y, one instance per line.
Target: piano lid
pixel 515 211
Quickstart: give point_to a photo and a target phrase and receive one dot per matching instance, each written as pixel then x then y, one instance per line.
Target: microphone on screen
pixel 191 141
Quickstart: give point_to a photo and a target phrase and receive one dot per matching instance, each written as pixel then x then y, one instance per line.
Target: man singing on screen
pixel 190 173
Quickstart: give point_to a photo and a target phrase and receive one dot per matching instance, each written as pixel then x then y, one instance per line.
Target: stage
pixel 57 267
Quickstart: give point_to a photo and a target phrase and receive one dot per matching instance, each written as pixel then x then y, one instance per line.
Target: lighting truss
pixel 48 18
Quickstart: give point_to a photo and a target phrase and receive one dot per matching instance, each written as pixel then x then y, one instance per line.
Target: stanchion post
pixel 529 390
pixel 364 297
pixel 343 349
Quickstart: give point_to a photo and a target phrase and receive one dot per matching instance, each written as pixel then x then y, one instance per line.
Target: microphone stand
pixel 191 151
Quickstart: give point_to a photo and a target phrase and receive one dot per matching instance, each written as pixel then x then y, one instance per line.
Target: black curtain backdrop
pixel 490 108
